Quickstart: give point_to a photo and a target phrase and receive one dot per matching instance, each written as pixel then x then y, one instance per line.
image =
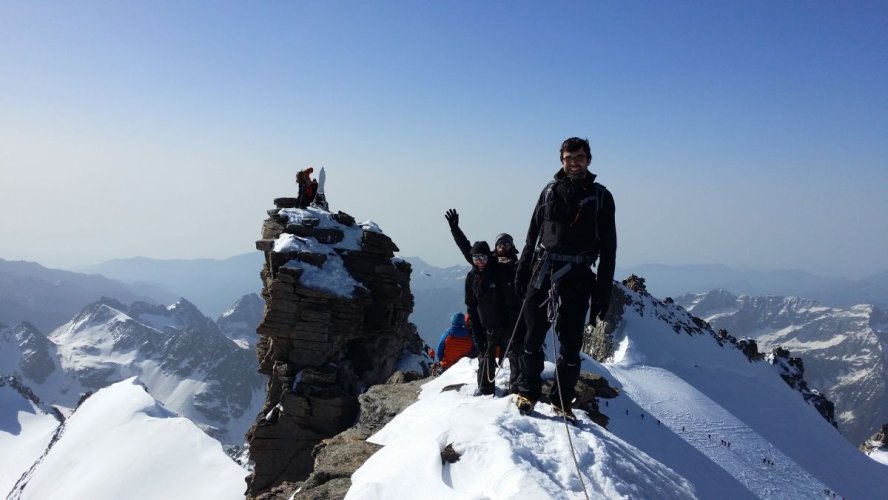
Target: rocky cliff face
pixel 337 302
pixel 27 353
pixel 843 348
pixel 792 371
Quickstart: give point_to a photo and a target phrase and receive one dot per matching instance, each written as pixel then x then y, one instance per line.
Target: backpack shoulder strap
pixel 547 197
pixel 600 191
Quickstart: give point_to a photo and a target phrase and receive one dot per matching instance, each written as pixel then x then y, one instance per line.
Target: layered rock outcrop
pixel 337 458
pixel 337 303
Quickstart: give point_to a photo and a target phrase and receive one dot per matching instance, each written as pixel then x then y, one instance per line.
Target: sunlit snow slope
pixel 121 443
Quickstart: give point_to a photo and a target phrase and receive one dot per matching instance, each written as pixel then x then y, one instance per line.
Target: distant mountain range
pixel 671 281
pixel 439 291
pixel 211 284
pixel 49 297
pixel 180 355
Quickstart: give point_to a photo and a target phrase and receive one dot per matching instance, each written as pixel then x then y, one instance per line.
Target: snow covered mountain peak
pixel 121 443
pixel 243 306
pixel 185 310
pixel 181 315
pixel 239 321
pixel 177 352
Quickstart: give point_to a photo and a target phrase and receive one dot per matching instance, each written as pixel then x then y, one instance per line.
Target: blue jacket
pixel 458 335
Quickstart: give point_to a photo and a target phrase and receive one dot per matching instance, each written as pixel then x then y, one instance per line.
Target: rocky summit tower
pixel 337 301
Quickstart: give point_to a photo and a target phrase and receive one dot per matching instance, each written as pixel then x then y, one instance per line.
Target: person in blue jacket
pixel 456 342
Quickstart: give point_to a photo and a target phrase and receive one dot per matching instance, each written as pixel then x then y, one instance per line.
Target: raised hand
pixel 452 217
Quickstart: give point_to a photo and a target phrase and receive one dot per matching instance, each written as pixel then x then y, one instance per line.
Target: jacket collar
pixel 585 181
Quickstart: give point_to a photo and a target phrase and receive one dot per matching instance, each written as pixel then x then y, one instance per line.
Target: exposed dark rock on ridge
pixel 337 458
pixel 792 371
pixel 28 394
pixel 878 442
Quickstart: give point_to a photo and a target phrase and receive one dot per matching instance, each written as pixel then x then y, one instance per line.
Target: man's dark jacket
pixel 573 217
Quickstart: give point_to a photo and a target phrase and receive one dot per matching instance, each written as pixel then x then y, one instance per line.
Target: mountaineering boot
pixel 525 405
pixel 566 413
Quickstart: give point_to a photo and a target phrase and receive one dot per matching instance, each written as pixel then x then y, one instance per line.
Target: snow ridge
pixel 121 443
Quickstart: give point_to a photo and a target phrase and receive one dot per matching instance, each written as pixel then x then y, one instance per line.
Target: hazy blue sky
pixel 746 133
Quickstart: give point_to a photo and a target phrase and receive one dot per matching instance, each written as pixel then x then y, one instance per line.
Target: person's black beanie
pixel 480 248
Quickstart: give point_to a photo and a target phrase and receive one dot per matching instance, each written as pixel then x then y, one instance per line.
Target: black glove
pixel 479 339
pixel 452 218
pixel 520 284
pixel 520 287
pixel 601 294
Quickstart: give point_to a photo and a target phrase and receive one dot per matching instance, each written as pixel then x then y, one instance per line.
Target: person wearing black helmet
pixel 489 290
pixel 572 226
pixel 507 259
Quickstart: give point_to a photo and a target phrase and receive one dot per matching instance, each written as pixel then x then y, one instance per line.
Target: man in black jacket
pixel 489 288
pixel 572 225
pixel 506 257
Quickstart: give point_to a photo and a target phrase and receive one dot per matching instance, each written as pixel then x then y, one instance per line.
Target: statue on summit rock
pixel 320 199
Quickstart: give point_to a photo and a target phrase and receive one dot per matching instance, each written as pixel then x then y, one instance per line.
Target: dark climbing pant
pixel 487 361
pixel 574 291
pixel 487 364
